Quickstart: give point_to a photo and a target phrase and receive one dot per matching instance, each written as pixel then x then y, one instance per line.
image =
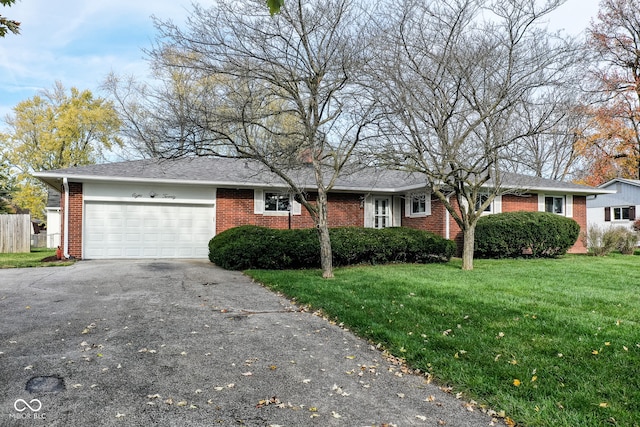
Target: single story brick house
pixel 172 208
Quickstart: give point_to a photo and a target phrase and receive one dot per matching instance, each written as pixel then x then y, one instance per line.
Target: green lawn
pixel 550 342
pixel 32 259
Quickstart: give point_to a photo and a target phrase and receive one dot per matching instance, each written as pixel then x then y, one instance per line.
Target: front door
pixel 381 212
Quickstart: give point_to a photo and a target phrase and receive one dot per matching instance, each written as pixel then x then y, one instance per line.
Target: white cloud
pixel 77 42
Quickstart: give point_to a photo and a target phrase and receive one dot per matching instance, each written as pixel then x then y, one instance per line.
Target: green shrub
pixel 517 234
pixel 627 241
pixel 601 241
pixel 247 247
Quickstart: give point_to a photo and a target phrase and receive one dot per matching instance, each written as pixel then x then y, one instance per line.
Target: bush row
pixel 249 246
pixel 601 241
pixel 517 234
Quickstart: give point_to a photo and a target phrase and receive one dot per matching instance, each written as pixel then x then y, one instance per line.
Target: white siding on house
pixel 53 227
pixel 627 195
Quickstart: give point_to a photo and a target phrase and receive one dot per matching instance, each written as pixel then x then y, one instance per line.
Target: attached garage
pixel 147 230
pixel 147 220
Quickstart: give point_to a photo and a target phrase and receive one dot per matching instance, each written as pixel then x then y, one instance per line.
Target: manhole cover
pixel 47 384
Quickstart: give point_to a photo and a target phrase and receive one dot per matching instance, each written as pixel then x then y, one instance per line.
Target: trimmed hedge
pixel 530 234
pixel 250 246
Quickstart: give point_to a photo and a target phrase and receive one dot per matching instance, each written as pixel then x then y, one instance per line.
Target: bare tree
pixel 281 90
pixel 459 78
pixel 553 152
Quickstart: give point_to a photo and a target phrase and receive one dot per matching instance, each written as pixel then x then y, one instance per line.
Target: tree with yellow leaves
pixel 53 130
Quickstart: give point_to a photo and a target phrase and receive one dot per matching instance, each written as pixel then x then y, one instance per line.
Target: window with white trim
pixel 480 200
pixel 274 203
pixel 554 204
pixel 277 202
pixel 620 213
pixel 417 204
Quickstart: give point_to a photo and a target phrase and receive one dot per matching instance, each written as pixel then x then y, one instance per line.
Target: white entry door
pixel 381 212
pixel 147 230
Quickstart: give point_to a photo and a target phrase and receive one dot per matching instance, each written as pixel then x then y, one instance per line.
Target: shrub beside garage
pixel 528 234
pixel 250 246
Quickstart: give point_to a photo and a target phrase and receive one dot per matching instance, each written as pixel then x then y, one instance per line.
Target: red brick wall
pixel 436 222
pixel 525 202
pixel 529 202
pixel 75 219
pixel 234 207
pixel 580 215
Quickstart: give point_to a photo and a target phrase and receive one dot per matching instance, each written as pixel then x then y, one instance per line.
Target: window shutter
pixel 408 199
pixel 296 208
pixel 368 212
pixel 632 213
pixel 569 205
pixel 607 213
pixel 427 203
pixel 540 202
pixel 258 201
pixel 497 204
pixel 396 219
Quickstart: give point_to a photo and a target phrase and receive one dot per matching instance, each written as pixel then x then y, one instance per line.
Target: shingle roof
pixel 635 182
pixel 247 173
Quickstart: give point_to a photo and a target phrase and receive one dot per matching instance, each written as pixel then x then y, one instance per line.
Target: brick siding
pixel 234 207
pixel 75 219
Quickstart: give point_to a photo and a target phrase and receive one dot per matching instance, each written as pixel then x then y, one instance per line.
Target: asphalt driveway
pixel 184 343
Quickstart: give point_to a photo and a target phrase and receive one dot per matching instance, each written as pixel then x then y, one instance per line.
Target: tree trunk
pixel 467 246
pixel 326 255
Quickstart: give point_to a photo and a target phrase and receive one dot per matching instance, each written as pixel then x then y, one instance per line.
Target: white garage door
pixel 147 230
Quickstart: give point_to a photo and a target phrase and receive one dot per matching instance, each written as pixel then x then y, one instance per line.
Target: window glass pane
pixel 558 203
pixel 270 202
pixel 616 213
pixel 554 204
pixel 276 202
pixel 625 213
pixel 481 199
pixel 548 204
pixel 418 204
pixel 283 203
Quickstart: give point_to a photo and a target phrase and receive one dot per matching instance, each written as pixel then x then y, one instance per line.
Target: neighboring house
pixel 172 208
pixel 54 224
pixel 618 208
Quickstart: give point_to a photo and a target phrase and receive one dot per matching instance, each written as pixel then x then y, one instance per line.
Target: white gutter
pixel 65 245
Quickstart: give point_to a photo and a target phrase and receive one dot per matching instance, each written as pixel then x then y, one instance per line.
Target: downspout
pixel 447 220
pixel 65 245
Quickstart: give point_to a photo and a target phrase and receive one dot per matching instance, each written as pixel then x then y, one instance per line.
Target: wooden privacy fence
pixel 15 233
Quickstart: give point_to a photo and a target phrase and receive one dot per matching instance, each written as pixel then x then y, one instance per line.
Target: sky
pixel 79 42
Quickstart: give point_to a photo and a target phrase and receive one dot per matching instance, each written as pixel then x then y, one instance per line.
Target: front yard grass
pixel 31 259
pixel 549 342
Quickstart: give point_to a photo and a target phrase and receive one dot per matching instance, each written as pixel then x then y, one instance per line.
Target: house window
pixel 554 204
pixel 418 204
pixel 620 213
pixel 276 202
pixel 481 199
